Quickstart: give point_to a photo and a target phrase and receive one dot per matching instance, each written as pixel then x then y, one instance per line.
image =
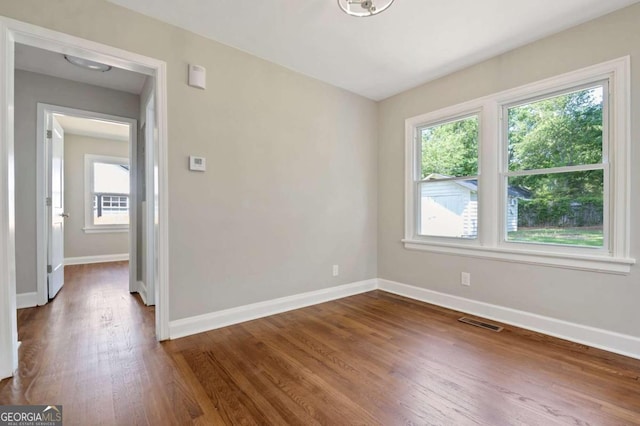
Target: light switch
pixel 197 164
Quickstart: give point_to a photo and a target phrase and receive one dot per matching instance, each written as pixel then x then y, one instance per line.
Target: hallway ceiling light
pixel 87 64
pixel 362 8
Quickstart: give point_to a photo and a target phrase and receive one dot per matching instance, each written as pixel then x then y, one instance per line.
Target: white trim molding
pixel 211 321
pixel 85 260
pixel 27 300
pixel 11 32
pixel 109 230
pixel 595 337
pixel 620 266
pixel 622 344
pixel 8 317
pixel 142 291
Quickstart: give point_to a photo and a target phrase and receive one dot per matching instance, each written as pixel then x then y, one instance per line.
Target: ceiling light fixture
pixel 87 64
pixel 363 8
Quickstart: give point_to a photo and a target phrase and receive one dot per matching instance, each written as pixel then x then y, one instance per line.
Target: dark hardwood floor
pixel 374 358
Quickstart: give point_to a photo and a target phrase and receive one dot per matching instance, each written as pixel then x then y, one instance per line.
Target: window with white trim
pixel 553 184
pixel 447 184
pixel 556 149
pixel 107 186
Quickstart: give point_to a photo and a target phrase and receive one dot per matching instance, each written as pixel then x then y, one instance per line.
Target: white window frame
pixel 604 165
pixel 491 242
pixel 417 177
pixel 446 116
pixel 89 226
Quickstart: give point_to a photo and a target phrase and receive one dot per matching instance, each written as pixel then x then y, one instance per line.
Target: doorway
pixel 11 33
pixel 99 219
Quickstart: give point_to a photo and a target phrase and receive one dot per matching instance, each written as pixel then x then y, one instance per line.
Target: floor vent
pixel 481 324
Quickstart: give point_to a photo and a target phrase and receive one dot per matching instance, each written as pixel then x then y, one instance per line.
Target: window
pixel 555 160
pixel 537 174
pixel 106 194
pixel 448 180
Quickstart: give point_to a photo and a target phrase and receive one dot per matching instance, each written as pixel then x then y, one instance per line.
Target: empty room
pixel 320 212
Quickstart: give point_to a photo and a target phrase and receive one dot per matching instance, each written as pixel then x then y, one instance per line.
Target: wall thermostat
pixel 197 164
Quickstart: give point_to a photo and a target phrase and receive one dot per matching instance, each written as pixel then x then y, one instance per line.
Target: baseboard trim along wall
pixel 595 337
pixel 598 338
pixel 26 300
pixel 96 259
pixel 211 321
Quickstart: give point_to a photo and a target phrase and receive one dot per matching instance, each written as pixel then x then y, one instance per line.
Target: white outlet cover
pixel 465 278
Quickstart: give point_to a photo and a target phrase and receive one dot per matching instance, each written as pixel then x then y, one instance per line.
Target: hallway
pixel 93 344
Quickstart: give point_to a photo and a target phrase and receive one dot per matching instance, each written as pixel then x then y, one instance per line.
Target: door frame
pixel 42 174
pixel 149 219
pixel 51 124
pixel 12 32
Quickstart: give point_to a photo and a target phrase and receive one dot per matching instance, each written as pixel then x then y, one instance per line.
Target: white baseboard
pixel 201 323
pixel 595 337
pixel 96 259
pixel 26 300
pixel 142 291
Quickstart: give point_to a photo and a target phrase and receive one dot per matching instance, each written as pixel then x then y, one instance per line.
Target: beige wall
pixel 296 181
pixel 30 89
pixel 290 187
pixel 77 243
pixel 595 299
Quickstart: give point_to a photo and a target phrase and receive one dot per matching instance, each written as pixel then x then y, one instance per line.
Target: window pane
pixel 450 149
pixel 449 208
pixel 111 189
pixel 110 210
pixel 565 130
pixel 557 208
pixel 111 178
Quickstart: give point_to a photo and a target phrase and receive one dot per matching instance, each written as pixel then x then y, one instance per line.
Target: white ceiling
pixel 94 128
pixel 414 41
pixel 54 64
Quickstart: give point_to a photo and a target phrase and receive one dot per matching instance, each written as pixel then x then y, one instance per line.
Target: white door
pixel 55 188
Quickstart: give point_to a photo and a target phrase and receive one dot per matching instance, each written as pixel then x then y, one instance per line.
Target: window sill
pixel 612 265
pixel 105 230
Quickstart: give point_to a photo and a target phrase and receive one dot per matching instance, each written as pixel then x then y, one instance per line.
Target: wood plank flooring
pixel 374 358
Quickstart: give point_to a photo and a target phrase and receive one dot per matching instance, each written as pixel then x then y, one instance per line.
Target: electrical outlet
pixel 465 279
pixel 336 270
